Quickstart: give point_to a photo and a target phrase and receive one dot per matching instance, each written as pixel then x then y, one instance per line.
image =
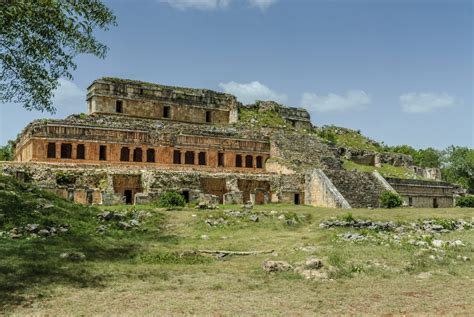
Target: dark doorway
pixel 410 201
pixel 189 157
pixel 66 150
pixel 435 202
pixel 137 154
pixel 81 152
pixel 297 199
pixel 249 161
pixel 51 150
pixel 166 112
pixel 185 194
pixel 128 196
pixel 150 156
pixel 259 162
pixel 89 197
pixel 208 116
pixel 103 153
pixel 118 106
pixel 177 157
pixel 202 158
pixel 125 154
pixel 238 160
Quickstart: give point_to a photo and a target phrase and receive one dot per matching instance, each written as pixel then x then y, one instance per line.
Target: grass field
pixel 144 272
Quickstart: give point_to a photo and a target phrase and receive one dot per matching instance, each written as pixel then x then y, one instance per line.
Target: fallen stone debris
pixel 125 220
pixel 309 269
pixel 73 256
pixel 230 215
pixel 424 226
pixel 35 230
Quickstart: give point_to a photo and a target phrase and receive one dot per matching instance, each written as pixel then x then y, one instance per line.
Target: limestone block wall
pixel 320 191
pixel 360 189
pixel 112 184
pixel 141 99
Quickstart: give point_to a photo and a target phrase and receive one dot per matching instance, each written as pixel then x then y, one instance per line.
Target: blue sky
pixel 400 71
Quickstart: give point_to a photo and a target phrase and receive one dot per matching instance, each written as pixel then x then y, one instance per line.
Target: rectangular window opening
pixel 51 150
pixel 66 150
pixel 177 157
pixel 189 157
pixel 119 106
pixel 150 156
pixel 103 153
pixel 166 112
pixel 81 152
pixel 202 158
pixel 137 154
pixel 238 160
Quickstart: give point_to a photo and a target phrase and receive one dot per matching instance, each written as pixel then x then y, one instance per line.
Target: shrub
pixel 390 199
pixel 467 201
pixel 170 200
pixel 347 217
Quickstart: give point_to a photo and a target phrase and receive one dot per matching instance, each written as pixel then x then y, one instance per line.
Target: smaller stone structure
pixel 426 194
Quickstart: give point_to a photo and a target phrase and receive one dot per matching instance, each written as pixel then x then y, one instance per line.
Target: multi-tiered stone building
pixel 139 140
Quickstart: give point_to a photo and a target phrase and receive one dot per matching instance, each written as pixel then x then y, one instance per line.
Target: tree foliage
pixel 390 199
pixel 459 166
pixel 6 151
pixel 38 43
pixel 423 157
pixel 171 199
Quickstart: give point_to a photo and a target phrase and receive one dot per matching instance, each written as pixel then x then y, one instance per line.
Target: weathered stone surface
pixel 276 266
pixel 360 189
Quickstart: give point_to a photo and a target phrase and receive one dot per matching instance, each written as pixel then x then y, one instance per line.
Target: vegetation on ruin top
pixel 347 138
pixel 386 170
pixel 251 117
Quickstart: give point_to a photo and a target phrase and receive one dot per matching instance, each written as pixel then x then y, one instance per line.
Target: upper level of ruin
pixel 147 100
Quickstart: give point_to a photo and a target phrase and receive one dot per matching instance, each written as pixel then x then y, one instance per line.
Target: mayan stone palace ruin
pixel 139 140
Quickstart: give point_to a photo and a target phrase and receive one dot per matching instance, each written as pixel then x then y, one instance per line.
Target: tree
pixel 38 43
pixel 459 166
pixel 428 158
pixel 6 151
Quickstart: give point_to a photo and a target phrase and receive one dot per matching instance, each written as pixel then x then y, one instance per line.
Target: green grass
pixel 386 170
pixel 349 138
pixel 260 119
pixel 154 270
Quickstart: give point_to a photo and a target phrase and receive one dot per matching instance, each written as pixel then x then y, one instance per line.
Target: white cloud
pixel 352 99
pixel 214 4
pixel 262 4
pixel 68 96
pixel 248 93
pixel 198 4
pixel 419 102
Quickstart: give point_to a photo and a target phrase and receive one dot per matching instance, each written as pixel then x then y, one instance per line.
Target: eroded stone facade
pixel 139 140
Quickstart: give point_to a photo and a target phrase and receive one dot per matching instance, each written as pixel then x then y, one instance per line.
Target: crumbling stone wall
pixel 301 152
pixel 360 189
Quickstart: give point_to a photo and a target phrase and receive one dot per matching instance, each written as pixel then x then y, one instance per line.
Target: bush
pixel 170 200
pixel 467 201
pixel 390 199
